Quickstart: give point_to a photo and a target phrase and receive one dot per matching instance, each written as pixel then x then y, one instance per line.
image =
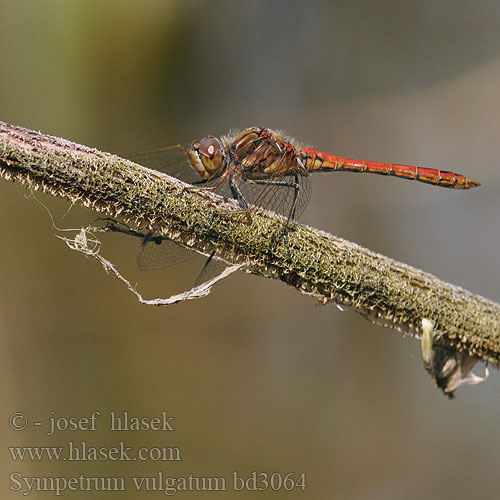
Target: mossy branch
pixel 315 263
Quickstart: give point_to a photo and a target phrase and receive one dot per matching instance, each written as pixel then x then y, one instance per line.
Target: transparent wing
pixel 287 195
pixel 172 160
pixel 156 253
pixel 212 268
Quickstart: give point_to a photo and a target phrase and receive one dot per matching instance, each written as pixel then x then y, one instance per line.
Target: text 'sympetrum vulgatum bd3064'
pixel 264 168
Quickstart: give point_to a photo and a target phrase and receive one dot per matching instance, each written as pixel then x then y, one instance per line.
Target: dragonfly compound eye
pixel 209 146
pixel 211 155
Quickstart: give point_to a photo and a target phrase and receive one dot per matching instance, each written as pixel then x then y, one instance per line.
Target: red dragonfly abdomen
pixel 316 161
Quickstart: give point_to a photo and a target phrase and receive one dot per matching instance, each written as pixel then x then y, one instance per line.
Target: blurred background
pixel 258 377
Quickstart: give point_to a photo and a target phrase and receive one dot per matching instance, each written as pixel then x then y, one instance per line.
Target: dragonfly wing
pixel 172 161
pixel 287 194
pixel 212 268
pixel 158 253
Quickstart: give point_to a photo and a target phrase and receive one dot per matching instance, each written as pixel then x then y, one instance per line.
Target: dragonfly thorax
pixel 207 157
pixel 262 154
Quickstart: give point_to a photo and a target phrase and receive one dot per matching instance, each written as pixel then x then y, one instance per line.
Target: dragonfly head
pixel 207 157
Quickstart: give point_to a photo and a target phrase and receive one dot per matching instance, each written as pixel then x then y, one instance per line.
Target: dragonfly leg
pixel 205 184
pixel 237 195
pixel 195 186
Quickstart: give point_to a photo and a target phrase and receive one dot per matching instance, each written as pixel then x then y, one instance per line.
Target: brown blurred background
pixel 257 376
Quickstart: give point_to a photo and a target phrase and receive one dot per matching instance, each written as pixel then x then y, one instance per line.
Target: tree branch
pixel 315 263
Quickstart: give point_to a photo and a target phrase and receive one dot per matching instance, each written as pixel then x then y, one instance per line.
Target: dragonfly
pixel 260 167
